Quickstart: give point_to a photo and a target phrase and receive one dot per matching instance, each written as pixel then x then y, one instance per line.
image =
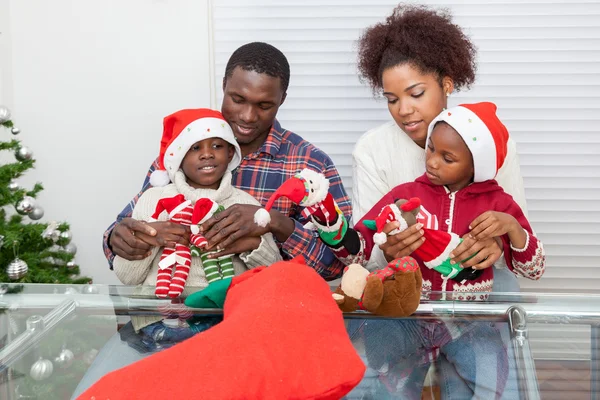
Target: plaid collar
pixel 272 143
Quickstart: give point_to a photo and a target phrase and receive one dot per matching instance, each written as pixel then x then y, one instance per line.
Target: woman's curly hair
pixel 424 38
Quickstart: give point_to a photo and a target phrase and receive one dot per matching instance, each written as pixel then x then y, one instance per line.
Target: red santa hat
pixel 180 131
pixel 306 188
pixel 391 213
pixel 172 205
pixel 437 248
pixel 483 132
pixel 203 210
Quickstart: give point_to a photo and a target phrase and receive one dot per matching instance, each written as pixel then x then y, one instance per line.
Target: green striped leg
pixel 226 264
pixel 210 266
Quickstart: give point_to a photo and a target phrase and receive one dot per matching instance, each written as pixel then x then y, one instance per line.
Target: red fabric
pixel 386 215
pixel 436 242
pixel 486 112
pixel 283 337
pixel 411 204
pixel 293 189
pixel 469 203
pixel 329 205
pixel 168 204
pixel 201 209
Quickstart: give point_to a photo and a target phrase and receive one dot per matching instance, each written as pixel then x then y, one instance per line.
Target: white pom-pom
pixel 159 178
pixel 262 217
pixel 380 238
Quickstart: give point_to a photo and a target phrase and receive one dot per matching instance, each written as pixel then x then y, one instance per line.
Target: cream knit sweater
pixel 143 272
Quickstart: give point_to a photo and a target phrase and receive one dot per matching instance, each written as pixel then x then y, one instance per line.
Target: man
pixel 255 86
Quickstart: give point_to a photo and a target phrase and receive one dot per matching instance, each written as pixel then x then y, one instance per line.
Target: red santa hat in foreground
pixel 180 131
pixel 306 188
pixel 483 132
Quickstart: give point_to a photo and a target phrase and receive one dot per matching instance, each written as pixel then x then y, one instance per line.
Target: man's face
pixel 250 104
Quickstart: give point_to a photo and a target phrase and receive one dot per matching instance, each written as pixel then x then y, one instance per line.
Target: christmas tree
pixel 34 252
pixel 30 252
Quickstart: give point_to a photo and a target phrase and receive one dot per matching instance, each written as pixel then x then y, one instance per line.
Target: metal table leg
pixel 595 361
pixel 526 375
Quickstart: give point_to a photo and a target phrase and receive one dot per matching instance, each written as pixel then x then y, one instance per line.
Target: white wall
pixel 89 83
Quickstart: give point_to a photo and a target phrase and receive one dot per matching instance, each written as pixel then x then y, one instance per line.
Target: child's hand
pixel 492 224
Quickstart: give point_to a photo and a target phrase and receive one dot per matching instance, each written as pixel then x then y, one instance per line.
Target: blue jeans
pixel 505 281
pixel 473 360
pixel 124 349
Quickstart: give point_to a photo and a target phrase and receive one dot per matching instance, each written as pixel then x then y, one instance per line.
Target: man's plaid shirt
pixel 260 174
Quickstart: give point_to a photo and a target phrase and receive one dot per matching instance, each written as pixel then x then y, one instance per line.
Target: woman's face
pixel 415 99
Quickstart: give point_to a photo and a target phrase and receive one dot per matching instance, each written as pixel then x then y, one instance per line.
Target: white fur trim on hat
pixel 200 129
pixel 454 241
pixel 318 187
pixel 398 214
pixel 329 228
pixel 477 137
pixel 159 178
pixel 262 217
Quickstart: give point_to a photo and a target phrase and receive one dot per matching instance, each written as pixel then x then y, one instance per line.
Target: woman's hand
pixel 401 244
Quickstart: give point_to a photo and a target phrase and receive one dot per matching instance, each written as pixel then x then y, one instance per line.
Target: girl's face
pixel 415 99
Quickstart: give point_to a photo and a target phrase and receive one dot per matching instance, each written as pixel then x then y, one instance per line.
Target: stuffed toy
pixel 282 337
pixel 394 291
pixel 182 212
pixel 435 251
pixel 309 189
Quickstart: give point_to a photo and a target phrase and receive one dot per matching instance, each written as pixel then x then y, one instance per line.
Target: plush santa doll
pixel 309 189
pixel 182 212
pixel 435 250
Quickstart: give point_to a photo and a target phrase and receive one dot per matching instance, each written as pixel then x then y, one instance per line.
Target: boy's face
pixel 206 161
pixel 449 160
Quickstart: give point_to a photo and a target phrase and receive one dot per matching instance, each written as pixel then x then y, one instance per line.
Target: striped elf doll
pixel 181 211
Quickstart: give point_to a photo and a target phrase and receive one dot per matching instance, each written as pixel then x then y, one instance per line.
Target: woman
pixel 417 58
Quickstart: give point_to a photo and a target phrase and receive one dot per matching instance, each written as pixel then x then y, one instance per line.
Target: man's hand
pixel 488 252
pixel 168 234
pixel 402 244
pixel 242 245
pixel 133 239
pixel 230 225
pixel 126 244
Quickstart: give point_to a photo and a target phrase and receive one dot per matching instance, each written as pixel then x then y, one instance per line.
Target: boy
pixel 198 153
